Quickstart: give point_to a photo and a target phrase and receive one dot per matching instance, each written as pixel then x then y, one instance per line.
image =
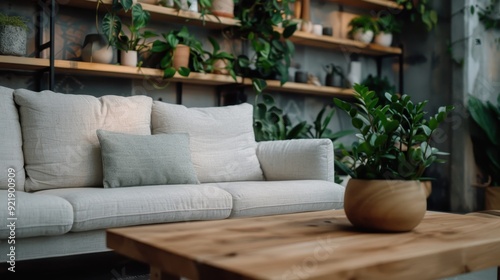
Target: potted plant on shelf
pixel 387 26
pixel 393 151
pixel 486 143
pixel 181 52
pixel 272 51
pixel 132 42
pixel 363 28
pixel 219 62
pixel 419 11
pixel 13 35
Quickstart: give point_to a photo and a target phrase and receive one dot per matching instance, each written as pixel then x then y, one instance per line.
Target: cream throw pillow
pixel 222 140
pixel 61 149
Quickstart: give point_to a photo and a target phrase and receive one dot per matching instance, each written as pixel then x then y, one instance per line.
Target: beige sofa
pixel 72 166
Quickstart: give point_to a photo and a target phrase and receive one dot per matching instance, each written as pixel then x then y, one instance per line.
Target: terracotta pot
pixel 385 205
pixel 220 67
pixel 181 56
pixel 223 8
pixel 492 198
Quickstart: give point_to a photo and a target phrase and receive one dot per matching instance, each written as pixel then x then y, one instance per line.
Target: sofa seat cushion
pixel 99 208
pixel 11 151
pixel 37 215
pixel 281 197
pixel 61 149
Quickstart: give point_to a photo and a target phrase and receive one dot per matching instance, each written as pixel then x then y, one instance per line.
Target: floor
pixel 102 266
pixel 106 266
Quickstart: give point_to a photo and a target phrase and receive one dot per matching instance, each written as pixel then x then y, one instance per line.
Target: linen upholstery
pixel 139 160
pixel 222 140
pixel 37 215
pixel 11 152
pixel 301 159
pixel 282 197
pixel 98 208
pixel 61 149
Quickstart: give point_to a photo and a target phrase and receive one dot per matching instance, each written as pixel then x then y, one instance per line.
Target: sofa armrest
pixel 301 159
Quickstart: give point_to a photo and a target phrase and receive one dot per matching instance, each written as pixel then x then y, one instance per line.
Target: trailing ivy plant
pixel 394 139
pixel 419 11
pixel 272 52
pixel 488 15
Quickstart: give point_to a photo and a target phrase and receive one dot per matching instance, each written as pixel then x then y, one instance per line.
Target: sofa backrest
pixel 11 153
pixel 222 140
pixel 60 144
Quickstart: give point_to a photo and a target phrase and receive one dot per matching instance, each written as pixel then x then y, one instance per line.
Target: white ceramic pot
pixel 363 36
pixel 96 49
pixel 384 39
pixel 128 58
pixel 12 40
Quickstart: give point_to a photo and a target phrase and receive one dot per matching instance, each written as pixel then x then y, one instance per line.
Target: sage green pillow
pixel 139 160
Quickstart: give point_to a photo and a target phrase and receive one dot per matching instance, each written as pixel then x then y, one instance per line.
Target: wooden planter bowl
pixel 385 205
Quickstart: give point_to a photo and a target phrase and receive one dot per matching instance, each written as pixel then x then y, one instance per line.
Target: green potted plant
pixel 363 28
pixel 419 11
pixel 272 51
pixel 181 52
pixel 219 62
pixel 132 42
pixel 389 159
pixel 13 35
pixel 388 25
pixel 486 143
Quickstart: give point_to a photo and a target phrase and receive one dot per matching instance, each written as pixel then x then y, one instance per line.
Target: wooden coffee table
pixel 313 245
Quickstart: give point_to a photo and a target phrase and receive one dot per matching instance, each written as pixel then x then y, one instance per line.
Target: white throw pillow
pixel 222 140
pixel 11 142
pixel 61 149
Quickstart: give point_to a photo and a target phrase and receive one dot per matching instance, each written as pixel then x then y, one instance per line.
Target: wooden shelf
pixel 108 70
pixel 160 13
pixel 291 87
pixel 339 44
pixel 118 71
pixel 370 4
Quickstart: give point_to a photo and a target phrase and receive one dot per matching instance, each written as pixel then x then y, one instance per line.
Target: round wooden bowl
pixel 385 205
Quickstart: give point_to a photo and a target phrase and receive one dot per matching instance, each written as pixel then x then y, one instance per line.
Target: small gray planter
pixel 12 40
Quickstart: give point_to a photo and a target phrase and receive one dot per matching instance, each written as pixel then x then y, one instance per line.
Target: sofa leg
pixel 158 274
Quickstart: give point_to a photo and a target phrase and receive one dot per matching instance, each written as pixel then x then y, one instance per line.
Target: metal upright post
pixel 178 91
pixel 401 69
pixel 41 46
